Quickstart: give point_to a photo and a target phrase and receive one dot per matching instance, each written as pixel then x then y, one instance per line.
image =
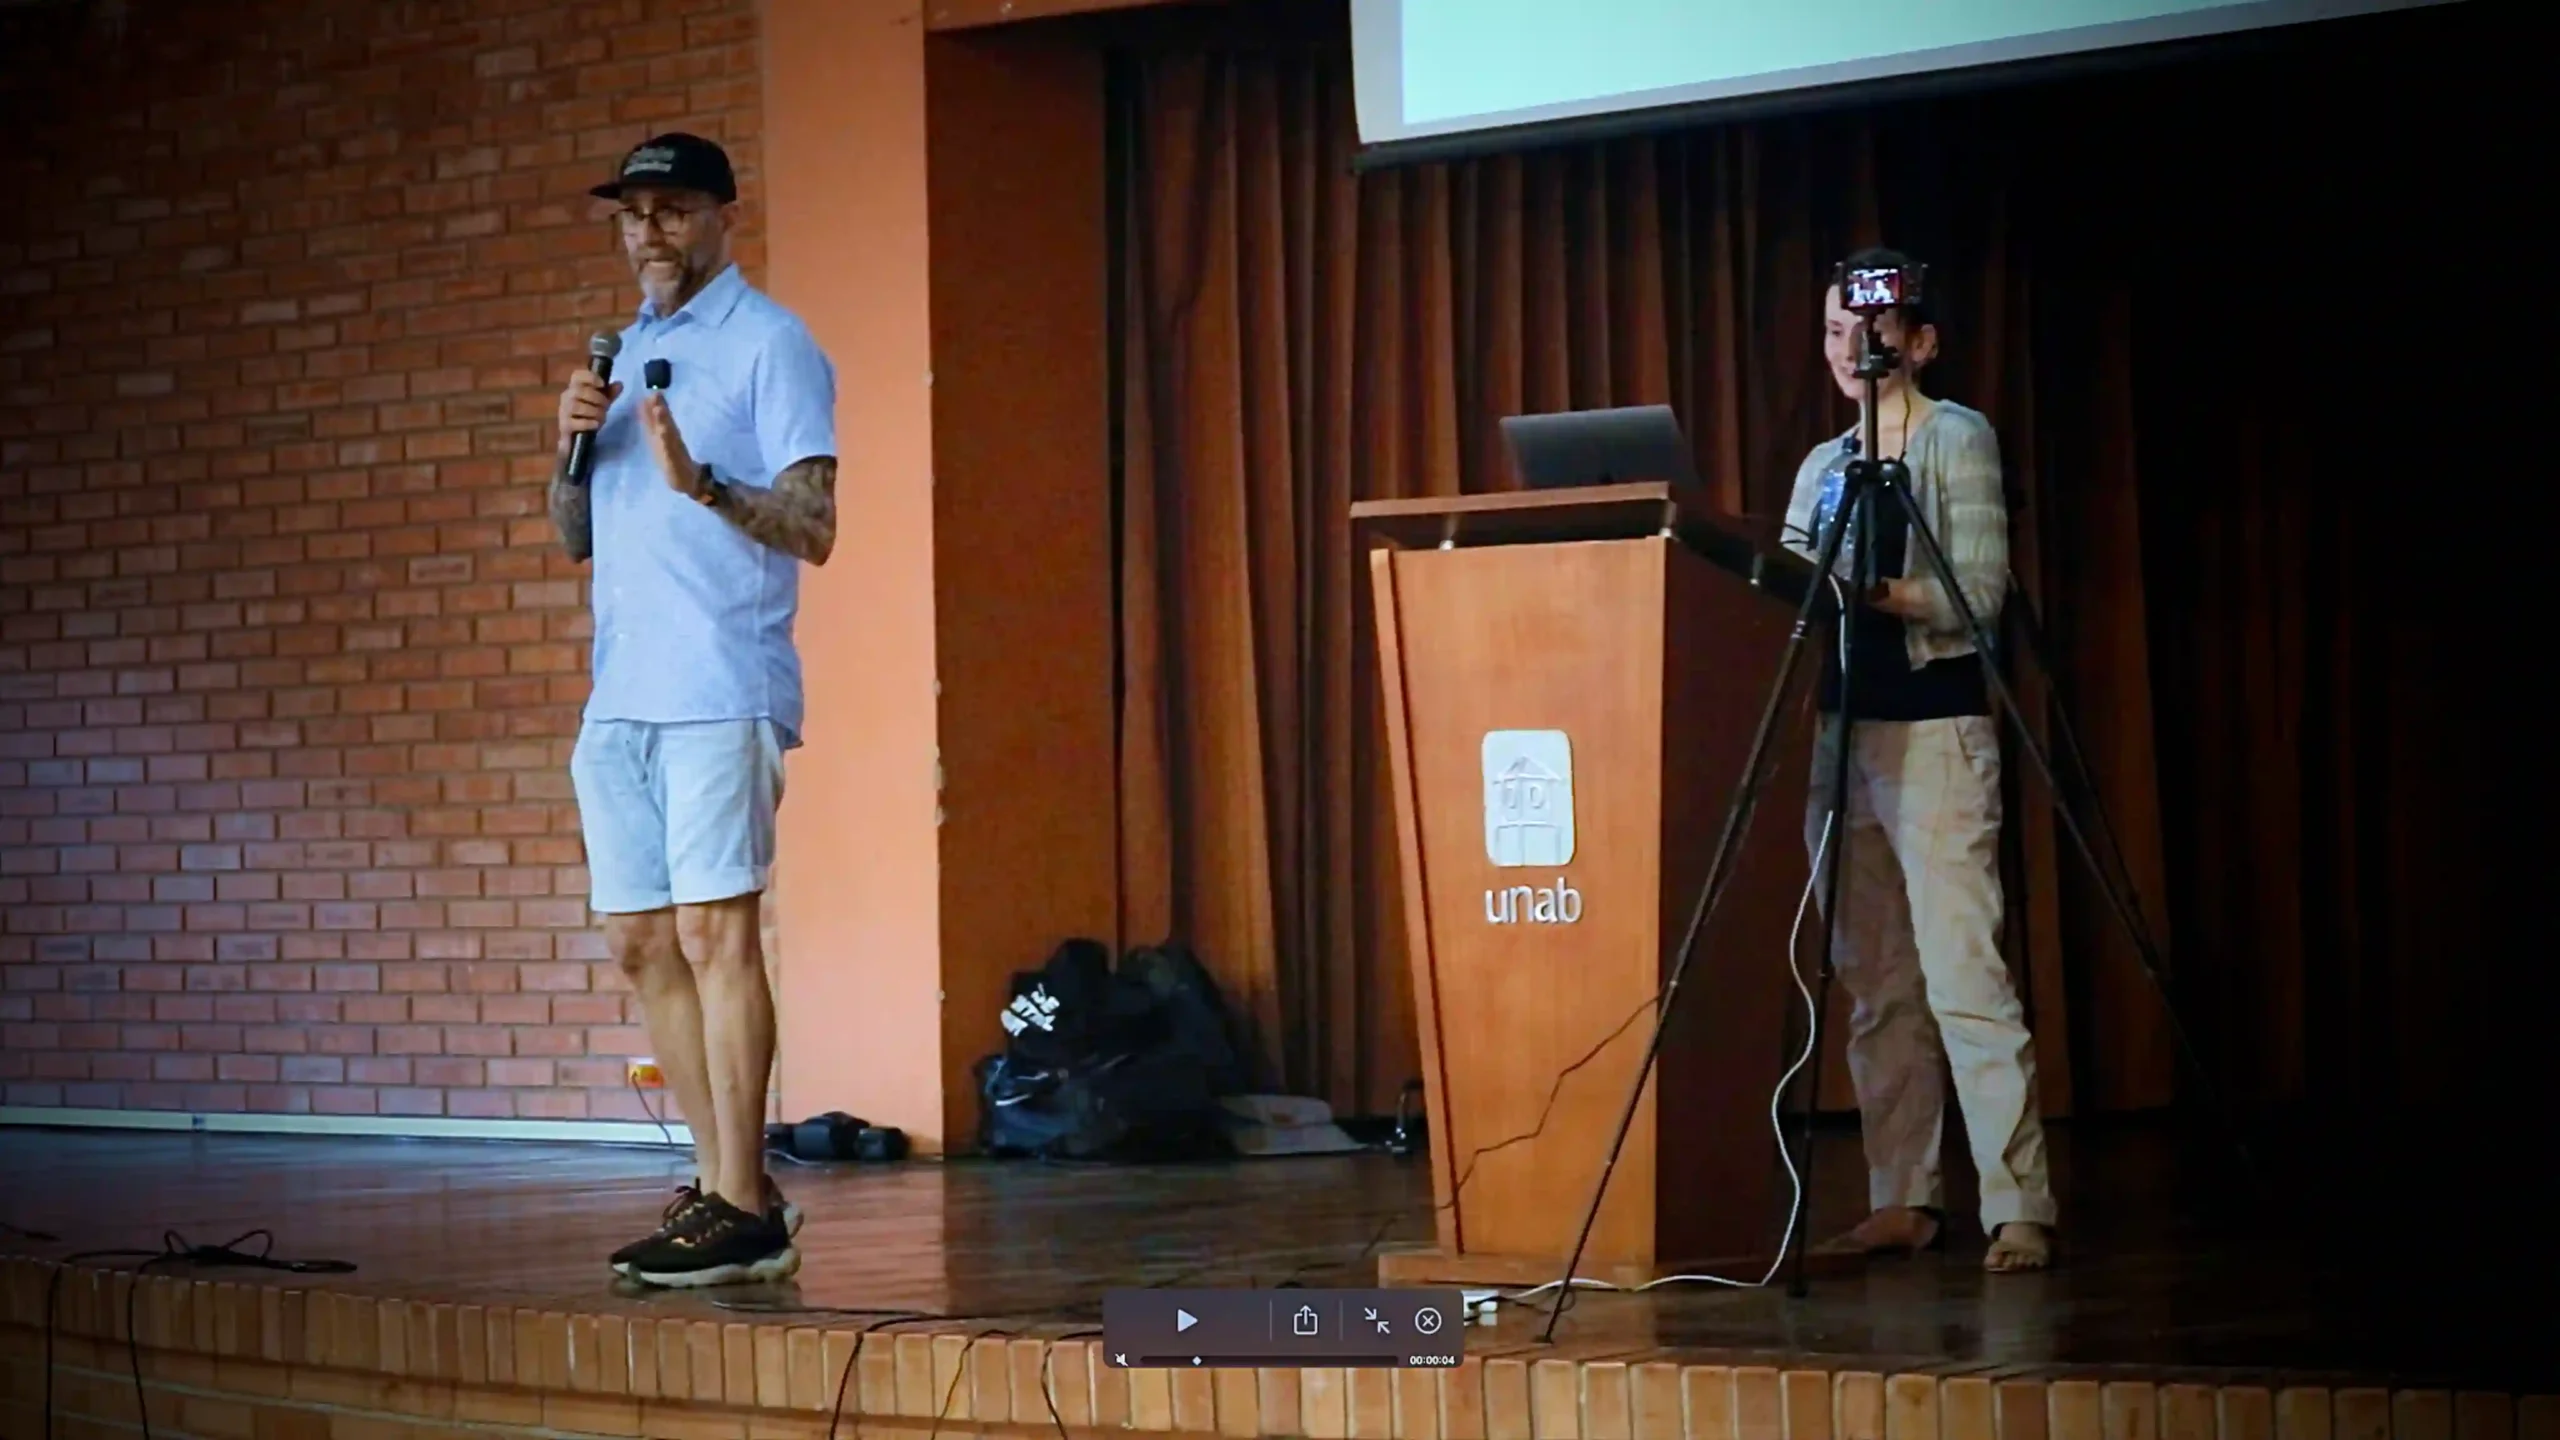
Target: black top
pixel 1883 685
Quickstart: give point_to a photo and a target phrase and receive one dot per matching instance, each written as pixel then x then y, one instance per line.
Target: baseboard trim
pixel 396 1127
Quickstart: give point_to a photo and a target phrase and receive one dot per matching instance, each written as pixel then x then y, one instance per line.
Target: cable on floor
pixel 174 1251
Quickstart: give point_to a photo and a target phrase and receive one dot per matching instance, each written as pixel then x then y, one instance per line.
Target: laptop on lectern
pixel 1598 447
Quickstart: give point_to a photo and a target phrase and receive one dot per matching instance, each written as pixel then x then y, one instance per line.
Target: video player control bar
pixel 1163 1329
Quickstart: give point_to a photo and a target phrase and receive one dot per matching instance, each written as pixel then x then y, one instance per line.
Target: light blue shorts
pixel 676 814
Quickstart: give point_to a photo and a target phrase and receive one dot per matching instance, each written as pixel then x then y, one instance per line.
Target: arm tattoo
pixel 797 516
pixel 570 514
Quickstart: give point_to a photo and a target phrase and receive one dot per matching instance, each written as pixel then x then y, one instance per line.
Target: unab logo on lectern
pixel 1528 821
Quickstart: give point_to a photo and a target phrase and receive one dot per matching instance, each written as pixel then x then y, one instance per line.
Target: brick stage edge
pixel 481 1306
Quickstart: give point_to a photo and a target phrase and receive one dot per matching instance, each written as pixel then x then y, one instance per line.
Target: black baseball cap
pixel 677 161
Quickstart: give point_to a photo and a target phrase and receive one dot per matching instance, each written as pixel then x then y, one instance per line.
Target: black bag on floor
pixel 1193 1013
pixel 1107 1064
pixel 1068 1009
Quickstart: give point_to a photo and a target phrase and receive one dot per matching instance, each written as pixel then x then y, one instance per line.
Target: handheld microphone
pixel 601 348
pixel 657 373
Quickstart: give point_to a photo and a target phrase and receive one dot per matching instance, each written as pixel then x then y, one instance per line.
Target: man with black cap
pixel 705 496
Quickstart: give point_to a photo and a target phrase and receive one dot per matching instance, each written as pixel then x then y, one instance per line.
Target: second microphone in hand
pixel 601 348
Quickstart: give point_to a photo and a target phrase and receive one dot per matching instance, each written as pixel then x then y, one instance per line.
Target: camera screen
pixel 1872 290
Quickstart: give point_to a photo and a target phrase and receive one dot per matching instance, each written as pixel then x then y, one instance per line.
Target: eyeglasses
pixel 669 218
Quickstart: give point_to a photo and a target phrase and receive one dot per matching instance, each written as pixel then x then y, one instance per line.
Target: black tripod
pixel 1866 474
pixel 1862 478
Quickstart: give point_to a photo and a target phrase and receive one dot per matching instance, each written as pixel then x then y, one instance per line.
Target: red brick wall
pixel 289 663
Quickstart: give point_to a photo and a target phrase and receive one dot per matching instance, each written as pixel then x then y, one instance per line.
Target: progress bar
pixel 1288 1362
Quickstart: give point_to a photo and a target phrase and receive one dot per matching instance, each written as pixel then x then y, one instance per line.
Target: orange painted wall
pixel 846 248
pixel 1022 518
pixel 936 216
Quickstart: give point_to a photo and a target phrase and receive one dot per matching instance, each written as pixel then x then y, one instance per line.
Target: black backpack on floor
pixel 1110 1064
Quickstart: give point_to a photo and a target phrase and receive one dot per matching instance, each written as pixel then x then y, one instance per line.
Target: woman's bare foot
pixel 1903 1228
pixel 2018 1245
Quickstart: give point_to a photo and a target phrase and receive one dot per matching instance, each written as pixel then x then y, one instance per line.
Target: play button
pixel 1184 1320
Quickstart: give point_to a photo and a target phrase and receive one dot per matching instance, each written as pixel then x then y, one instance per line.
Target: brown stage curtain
pixel 1296 337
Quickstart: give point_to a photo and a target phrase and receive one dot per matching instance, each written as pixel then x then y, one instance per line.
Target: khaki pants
pixel 1920 954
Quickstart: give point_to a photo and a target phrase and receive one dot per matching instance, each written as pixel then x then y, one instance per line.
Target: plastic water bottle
pixel 1826 506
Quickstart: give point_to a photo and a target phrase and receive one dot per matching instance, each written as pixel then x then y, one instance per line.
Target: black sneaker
pixel 723 1245
pixel 680 1212
pixel 777 1205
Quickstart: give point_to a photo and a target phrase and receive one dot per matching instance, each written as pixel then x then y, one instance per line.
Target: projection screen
pixel 1428 70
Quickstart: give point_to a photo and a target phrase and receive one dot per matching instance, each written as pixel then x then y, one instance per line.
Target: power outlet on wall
pixel 646 1075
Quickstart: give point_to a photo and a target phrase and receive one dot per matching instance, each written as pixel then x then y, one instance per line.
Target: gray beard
pixel 665 292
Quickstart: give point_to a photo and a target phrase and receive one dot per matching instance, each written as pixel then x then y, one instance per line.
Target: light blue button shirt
pixel 693 619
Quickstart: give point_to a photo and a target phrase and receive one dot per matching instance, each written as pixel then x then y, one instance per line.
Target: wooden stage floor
pixel 2150 1286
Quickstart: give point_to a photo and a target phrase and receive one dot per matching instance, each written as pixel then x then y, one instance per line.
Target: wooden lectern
pixel 1571 680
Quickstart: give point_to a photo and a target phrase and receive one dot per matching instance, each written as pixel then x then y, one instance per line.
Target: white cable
pixel 1777 1127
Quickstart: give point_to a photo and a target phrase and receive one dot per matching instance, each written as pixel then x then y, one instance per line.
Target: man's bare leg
pixel 722 940
pixel 644 945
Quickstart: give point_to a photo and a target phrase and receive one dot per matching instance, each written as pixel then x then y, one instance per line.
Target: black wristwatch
pixel 710 490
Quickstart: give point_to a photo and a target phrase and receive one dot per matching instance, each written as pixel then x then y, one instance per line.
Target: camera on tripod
pixel 1868 291
pixel 1874 290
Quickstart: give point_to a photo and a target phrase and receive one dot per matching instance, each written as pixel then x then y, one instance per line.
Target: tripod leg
pixel 1745 802
pixel 2120 901
pixel 1835 832
pixel 1836 826
pixel 2122 874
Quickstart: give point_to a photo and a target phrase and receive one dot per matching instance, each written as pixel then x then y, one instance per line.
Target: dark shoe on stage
pixel 723 1245
pixel 776 1205
pixel 681 1211
pixel 679 1214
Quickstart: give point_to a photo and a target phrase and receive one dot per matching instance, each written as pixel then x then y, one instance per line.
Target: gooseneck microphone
pixel 601 348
